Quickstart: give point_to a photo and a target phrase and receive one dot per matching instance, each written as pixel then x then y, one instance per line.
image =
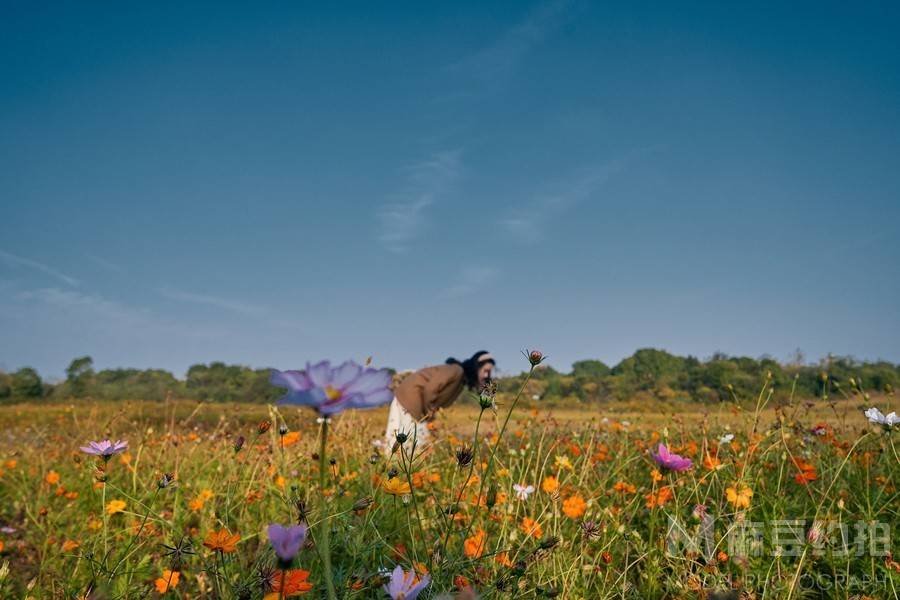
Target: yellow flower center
pixel 332 393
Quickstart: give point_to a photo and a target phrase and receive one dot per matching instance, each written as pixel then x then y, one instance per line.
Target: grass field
pixel 795 501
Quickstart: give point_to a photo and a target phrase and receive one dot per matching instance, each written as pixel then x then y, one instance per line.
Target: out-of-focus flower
pixel 286 541
pixel 474 545
pixel 531 527
pixel 726 438
pixel 877 417
pixel 660 498
pixel 550 484
pixel 739 495
pixel 669 460
pixel 222 541
pixel 562 462
pixel 115 506
pixel 405 585
pixel 105 448
pixel 574 506
pixel 807 472
pixel 168 581
pixel 624 487
pixel 289 583
pixel 290 438
pixel 331 390
pixel 395 487
pixel 52 477
pixel 523 491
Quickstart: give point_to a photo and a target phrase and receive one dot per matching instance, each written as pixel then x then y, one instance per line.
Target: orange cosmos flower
pixel 550 484
pixel 739 496
pixel 115 506
pixel 223 540
pixel 168 581
pixel 474 546
pixel 807 472
pixel 395 487
pixel 290 438
pixel 711 463
pixel 531 527
pixel 52 477
pixel 624 488
pixel 660 498
pixel 293 583
pixel 574 506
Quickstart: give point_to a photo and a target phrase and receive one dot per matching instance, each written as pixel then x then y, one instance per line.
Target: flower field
pixel 186 500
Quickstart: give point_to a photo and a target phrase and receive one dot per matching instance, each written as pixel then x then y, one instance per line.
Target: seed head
pixel 464 455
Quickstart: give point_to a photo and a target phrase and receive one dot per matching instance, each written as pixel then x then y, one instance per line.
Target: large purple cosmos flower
pixel 105 448
pixel 331 390
pixel 403 586
pixel 670 460
pixel 286 541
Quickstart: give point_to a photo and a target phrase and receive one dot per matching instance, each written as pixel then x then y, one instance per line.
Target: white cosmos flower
pixel 876 416
pixel 523 491
pixel 725 439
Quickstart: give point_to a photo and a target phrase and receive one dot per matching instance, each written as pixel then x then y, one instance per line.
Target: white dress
pixel 400 420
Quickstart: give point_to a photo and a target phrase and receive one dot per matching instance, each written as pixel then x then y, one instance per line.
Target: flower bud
pixel 239 443
pixel 263 427
pixel 165 481
pixel 282 429
pixel 491 499
pixel 535 357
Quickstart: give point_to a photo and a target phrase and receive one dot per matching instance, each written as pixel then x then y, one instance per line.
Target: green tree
pixel 26 383
pixel 79 375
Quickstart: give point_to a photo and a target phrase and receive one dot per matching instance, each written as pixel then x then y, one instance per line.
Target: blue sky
pixel 271 185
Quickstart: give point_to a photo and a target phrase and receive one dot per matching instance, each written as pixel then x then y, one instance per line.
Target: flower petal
pixel 370 380
pixel 296 381
pixel 345 374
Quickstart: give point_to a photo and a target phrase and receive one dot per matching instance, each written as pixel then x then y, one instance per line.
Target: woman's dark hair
pixel 471 366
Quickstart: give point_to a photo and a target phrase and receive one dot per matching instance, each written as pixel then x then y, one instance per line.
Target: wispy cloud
pixel 470 280
pixel 15 260
pixel 228 304
pixel 106 264
pixel 492 66
pixel 526 223
pixel 404 217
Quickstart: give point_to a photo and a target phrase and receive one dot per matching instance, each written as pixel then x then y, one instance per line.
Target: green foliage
pixel 26 383
pixel 648 373
pixel 79 374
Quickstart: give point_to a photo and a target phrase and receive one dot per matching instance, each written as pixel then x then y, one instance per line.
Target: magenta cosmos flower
pixel 105 448
pixel 404 586
pixel 670 460
pixel 331 390
pixel 286 541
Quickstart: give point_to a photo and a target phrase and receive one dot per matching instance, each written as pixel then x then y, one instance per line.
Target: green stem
pixel 486 474
pixel 326 525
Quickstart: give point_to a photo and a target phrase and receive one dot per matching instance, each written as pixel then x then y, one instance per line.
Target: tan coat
pixel 425 392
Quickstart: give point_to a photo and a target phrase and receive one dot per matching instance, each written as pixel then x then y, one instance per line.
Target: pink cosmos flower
pixel 670 460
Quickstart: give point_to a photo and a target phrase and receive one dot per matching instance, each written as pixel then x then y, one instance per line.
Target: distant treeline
pixel 647 373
